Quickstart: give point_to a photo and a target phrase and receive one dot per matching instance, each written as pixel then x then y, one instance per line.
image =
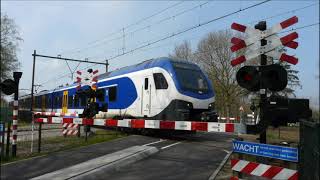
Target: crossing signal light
pixel 248 78
pixel 273 77
pixel 8 86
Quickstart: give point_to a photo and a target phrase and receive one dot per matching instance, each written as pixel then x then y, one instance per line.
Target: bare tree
pixel 214 55
pixel 183 51
pixel 10 39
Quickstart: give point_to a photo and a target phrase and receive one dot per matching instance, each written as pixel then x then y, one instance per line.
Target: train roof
pixel 163 62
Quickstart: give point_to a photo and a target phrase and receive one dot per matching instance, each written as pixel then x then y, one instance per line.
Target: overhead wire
pixel 107 41
pixel 190 9
pixel 178 33
pixel 284 13
pixel 189 29
pixel 193 27
pixel 126 27
pixel 293 29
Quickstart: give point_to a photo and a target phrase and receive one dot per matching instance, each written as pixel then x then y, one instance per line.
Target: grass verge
pixel 60 143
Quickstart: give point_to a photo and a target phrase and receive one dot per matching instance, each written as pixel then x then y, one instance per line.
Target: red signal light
pixel 247 77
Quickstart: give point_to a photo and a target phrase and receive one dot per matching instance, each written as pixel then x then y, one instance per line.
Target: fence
pixel 52 139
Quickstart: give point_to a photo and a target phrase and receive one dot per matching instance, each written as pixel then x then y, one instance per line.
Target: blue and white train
pixel 162 89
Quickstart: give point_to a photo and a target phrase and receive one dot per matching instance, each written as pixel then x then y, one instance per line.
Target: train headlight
pixel 211 106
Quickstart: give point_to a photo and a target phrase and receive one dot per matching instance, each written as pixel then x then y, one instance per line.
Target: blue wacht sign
pixel 266 150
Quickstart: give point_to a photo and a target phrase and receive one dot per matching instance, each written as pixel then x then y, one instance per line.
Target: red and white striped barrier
pixel 77 115
pixel 55 114
pixel 15 122
pixel 263 170
pixel 70 129
pixel 149 124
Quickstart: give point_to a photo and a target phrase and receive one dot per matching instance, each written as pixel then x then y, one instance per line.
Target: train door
pixel 65 102
pixel 146 96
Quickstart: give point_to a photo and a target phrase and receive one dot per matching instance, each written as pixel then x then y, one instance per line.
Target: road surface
pixel 194 156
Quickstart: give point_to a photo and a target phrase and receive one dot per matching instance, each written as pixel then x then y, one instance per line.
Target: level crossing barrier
pixel 55 114
pixel 263 170
pixel 148 124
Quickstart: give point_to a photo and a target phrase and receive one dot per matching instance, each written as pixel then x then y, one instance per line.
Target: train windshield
pixel 191 78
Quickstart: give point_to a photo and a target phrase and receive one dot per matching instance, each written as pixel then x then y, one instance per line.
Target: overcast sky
pixel 94 30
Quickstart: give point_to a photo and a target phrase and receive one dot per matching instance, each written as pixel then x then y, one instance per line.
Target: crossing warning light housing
pixel 8 86
pixel 273 77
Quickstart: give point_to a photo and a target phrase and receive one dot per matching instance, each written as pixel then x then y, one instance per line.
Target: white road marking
pixel 165 147
pixel 161 140
pixel 215 173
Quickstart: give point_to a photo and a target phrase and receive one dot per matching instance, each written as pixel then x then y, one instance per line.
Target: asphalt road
pixel 193 156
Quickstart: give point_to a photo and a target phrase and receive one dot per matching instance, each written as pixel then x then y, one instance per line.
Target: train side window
pixel 70 101
pixel 58 101
pixel 38 102
pixel 101 94
pixel 83 100
pixel 49 101
pixel 160 81
pixel 55 101
pixel 76 100
pixel 47 104
pixel 112 93
pixel 146 83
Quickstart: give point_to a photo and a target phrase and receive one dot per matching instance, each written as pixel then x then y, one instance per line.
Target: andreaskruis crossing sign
pixel 253 45
pixel 87 78
pixel 256 35
pixel 270 50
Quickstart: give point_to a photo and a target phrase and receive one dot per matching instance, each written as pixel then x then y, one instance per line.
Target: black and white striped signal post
pixel 9 87
pixel 16 77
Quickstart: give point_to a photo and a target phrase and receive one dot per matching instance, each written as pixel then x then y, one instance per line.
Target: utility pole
pixel 262 26
pixel 107 65
pixel 59 58
pixel 32 86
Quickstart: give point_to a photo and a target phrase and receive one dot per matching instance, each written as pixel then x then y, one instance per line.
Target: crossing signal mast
pixel 263 42
pixel 91 93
